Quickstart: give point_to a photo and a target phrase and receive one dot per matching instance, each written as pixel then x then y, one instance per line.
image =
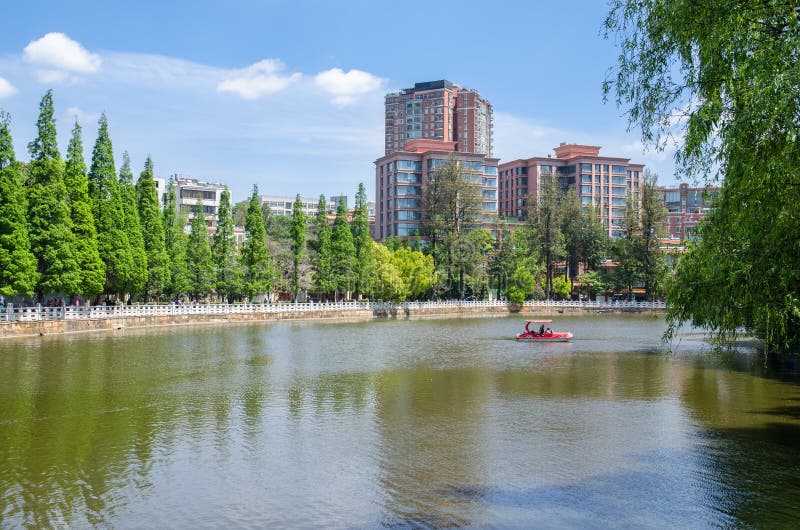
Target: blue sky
pixel 288 95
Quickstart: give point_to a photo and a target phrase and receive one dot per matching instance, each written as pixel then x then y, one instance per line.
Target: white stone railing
pixel 12 313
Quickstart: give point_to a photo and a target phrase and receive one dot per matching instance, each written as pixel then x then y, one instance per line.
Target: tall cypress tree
pixel 93 270
pixel 323 282
pixel 50 228
pixel 152 232
pixel 365 261
pixel 343 252
pixel 109 214
pixel 133 228
pixel 298 237
pixel 228 283
pixel 176 242
pixel 255 257
pixel 198 257
pixel 18 275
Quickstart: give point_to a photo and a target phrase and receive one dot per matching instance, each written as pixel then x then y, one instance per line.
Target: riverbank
pixel 34 321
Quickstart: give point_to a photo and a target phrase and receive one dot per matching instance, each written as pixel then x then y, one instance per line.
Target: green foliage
pixel 109 214
pixel 176 242
pixel 18 275
pixel 224 253
pixel 45 145
pixel 50 224
pixel 388 281
pixel 298 236
pixel 365 262
pixel 545 227
pixel 255 257
pixel 562 288
pixel 451 204
pixel 93 270
pixel 153 236
pixel 323 277
pixel 416 271
pixel 198 257
pixel 593 283
pixel 523 283
pixel 343 253
pixel 132 226
pixel 730 68
pixel 594 240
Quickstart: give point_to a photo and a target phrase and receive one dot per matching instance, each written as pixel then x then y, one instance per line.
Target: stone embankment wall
pixel 74 325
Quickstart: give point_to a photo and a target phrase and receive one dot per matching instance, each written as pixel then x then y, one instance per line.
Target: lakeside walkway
pixel 12 314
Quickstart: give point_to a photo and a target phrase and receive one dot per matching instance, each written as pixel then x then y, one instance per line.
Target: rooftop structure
pixel 441 111
pixel 602 182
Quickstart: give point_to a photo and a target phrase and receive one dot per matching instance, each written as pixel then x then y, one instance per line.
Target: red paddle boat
pixel 542 334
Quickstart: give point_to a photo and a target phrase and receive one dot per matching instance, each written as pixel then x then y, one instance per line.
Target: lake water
pixel 400 424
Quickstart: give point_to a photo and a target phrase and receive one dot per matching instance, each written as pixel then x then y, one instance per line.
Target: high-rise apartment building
pixel 601 181
pixel 439 110
pixel 685 207
pixel 401 175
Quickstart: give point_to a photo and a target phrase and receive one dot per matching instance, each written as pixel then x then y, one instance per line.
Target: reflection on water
pixel 436 423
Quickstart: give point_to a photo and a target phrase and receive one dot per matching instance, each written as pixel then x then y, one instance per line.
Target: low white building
pixel 284 205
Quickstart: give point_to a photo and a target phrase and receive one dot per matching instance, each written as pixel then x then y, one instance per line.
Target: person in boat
pixel 541 330
pixel 548 331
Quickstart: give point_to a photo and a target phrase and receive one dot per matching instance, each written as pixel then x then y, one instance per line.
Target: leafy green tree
pixel 651 226
pixel 544 225
pixel 388 281
pixel 239 212
pixel 365 261
pixel 18 275
pixel 255 257
pixel 417 271
pixel 592 283
pixel 298 235
pixel 594 239
pixel 562 288
pixel 522 285
pixel 50 224
pixel 176 242
pixel 343 253
pixel 153 236
pixel 728 69
pixel 323 277
pixel 133 227
pixel 224 253
pixel 572 228
pixel 93 270
pixel 109 214
pixel 451 206
pixel 198 257
pixel 627 273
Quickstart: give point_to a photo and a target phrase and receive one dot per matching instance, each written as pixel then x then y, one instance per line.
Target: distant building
pixel 401 175
pixel 438 110
pixel 602 182
pixel 336 199
pixel 285 205
pixel 190 192
pixel 685 207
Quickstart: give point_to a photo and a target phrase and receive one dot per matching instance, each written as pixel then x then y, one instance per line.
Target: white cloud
pixel 74 113
pixel 258 79
pixel 347 86
pixel 61 58
pixel 6 89
pixel 516 137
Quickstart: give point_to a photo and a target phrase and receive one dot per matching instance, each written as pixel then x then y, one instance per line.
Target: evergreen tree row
pixel 96 235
